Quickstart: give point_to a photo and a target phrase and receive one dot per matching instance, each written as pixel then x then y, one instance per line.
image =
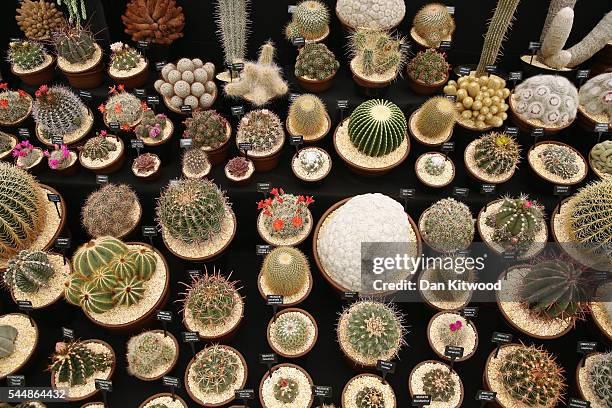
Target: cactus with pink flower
pixel 152 126
pixel 59 158
pixel 25 154
pixel 454 334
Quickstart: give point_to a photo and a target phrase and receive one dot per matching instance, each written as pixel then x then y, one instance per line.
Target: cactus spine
pixel 124 57
pixel 75 44
pixel 435 164
pixel 211 299
pixel 428 67
pixel 262 128
pixel 308 115
pixel 377 127
pixel 195 161
pixel 123 108
pixel 26 55
pixel 286 271
pixel 370 397
pixel 95 254
pixel 377 51
pixel 216 370
pixel 448 225
pixel 433 23
pixel 106 211
pixel 436 117
pixel 496 153
pixel 74 363
pixel 29 271
pixel 439 384
pixel 316 61
pixel 148 352
pixel 233 23
pixel 98 147
pixel 594 95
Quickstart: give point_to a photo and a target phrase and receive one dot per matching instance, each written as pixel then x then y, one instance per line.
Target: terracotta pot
pixel 312 180
pixel 344 390
pixel 225 337
pixel 219 154
pixel 315 85
pixel 444 366
pixel 38 77
pixel 366 83
pixel 110 167
pixel 560 182
pixel 135 81
pixel 92 78
pixel 424 89
pixel 266 163
pixel 163 394
pixel 70 170
pixel 263 379
pixel 150 177
pixel 425 182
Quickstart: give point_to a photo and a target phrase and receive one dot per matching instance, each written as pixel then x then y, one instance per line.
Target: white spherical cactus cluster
pixel 363 218
pixel 596 95
pixel 188 82
pixel 551 99
pixel 379 14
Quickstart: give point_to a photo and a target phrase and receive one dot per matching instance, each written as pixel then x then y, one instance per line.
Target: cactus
pixel 516 223
pixel 435 164
pixel 106 211
pixel 75 44
pixel 262 128
pixel 152 126
pixel 497 153
pixel 370 397
pixel 311 160
pixel 74 363
pixel 308 115
pixel 286 390
pixel 428 67
pixel 291 331
pixel 39 19
pixel 560 160
pixel 14 105
pixel 59 158
pixel 448 226
pixel 439 384
pixel 28 271
pixel 124 57
pixel 455 333
pixel 102 278
pixel 436 117
pixel 601 156
pixel 76 10
pixel 433 23
pixel 531 376
pixel 26 55
pixel 206 129
pixel 600 378
pixel 380 14
pixel 25 210
pixel 156 21
pixel 216 370
pixel 123 108
pixel 233 23
pixel 190 82
pixel 285 271
pixel 496 33
pixel 146 353
pixel 310 20
pixel 145 163
pixel 376 51
pixel 595 95
pixel 128 291
pixel 145 262
pixel 195 161
pixel 551 99
pixel 94 299
pixel 57 110
pixel 98 147
pixel 211 299
pixel 7 142
pixel 180 201
pixel 8 336
pixel 26 154
pixel 285 215
pixel 95 254
pixel 238 167
pixel 73 287
pixel 377 127
pixel 122 266
pixel 316 61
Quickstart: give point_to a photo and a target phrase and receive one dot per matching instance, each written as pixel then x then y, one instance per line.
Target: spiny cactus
pixel 152 126
pixel 28 271
pixel 308 115
pixel 145 262
pixel 75 44
pixel 595 97
pixel 291 331
pixel 39 19
pixel 206 129
pixel 428 67
pixel 59 158
pixel 433 23
pixel 57 110
pixel 496 153
pixel 377 51
pixel 285 215
pixel 377 127
pixel 107 210
pixel 98 147
pixel 551 99
pixel 262 128
pixel 439 384
pixel 311 160
pixel 285 270
pixel 370 397
pixel 148 352
pixel 128 291
pixel 601 156
pixel 310 20
pixel 600 378
pixel 195 161
pixel 14 105
pixel 75 363
pixel 211 299
pixel 238 166
pixel 286 390
pixel 455 333
pixel 216 370
pixel 124 57
pixel 26 154
pixel 436 117
pixel 316 61
pixel 8 336
pixel 123 108
pixel 25 213
pixel 435 164
pixel 448 225
pixel 531 376
pixel 180 201
pixel 7 142
pixel 26 55
pixel 96 254
pixel 560 160
pixel 232 18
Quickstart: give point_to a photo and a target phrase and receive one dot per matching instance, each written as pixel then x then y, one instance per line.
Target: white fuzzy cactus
pixel 189 82
pixel 378 14
pixel 596 95
pixel 311 160
pixel 551 99
pixel 233 28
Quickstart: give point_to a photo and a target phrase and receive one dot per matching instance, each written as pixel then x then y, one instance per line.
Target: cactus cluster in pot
pixel 98 147
pixel 496 153
pixel 560 160
pixel 152 126
pixel 285 271
pixel 156 21
pixel 263 129
pixel 309 20
pixel 316 61
pixel 148 352
pixel 26 55
pixel 26 155
pixel 122 107
pixel 433 23
pixel 285 215
pixel 308 116
pixel 377 127
pixel 76 364
pixel 58 111
pixel 376 52
pixel 448 225
pixel 601 157
pixel 39 19
pixel 124 57
pixel 76 45
pixel 60 158
pixel 14 105
pixel 428 67
pixel 188 82
pixel 206 129
pixel 29 271
pixel 107 210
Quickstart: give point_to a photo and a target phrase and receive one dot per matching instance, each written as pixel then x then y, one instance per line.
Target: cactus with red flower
pixel 122 107
pixel 285 215
pixel 14 105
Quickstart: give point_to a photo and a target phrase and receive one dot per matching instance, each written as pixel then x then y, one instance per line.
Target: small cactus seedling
pixel 285 271
pixel 316 61
pixel 455 333
pixel 311 160
pixel 29 271
pixel 106 211
pixel 285 215
pixel 435 165
pixel 74 363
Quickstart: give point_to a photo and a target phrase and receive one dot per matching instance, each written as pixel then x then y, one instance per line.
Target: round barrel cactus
pixel 97 253
pixel 377 127
pixel 286 270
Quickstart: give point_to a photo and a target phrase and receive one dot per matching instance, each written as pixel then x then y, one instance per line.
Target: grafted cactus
pixel 29 271
pixel 57 110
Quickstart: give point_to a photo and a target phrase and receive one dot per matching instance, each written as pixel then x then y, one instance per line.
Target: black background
pixel 325 363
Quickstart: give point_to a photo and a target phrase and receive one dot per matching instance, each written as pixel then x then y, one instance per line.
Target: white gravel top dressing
pixel 310 327
pixel 538 166
pixel 299 170
pixel 602 311
pixel 36 152
pixel 154 290
pixel 166 134
pixel 112 156
pixel 350 153
pixel 55 286
pixel 89 388
pixel 167 401
pixel 429 295
pixel 69 67
pixel 442 322
pixel 592 360
pixel 27 335
pixel 142 64
pixel 304 396
pixel 168 340
pixel 75 135
pixel 215 398
pixel 216 331
pixel 287 300
pixel 597 118
pixel 416 384
pixel 289 241
pixel 358 383
pixel 520 315
pixel 471 164
pixel 421 41
pixel 356 64
pixel 438 140
pixel 448 174
pixel 48 60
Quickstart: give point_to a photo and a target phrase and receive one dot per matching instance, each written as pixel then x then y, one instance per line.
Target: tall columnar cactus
pixel 232 18
pixel 8 335
pixel 433 23
pixel 496 33
pixel 439 384
pixel 123 108
pixel 28 271
pixel 192 210
pixel 124 57
pixel 75 363
pixel 316 61
pixel 75 44
pixel 146 353
pixel 291 331
pixel 26 55
pixel 25 210
pixel 377 52
pixel 262 128
pixel 310 20
pixel 286 271
pixel 596 96
pixel 428 67
pixel 531 376
pixel 377 127
pixel 308 115
pixel 601 156
pixel 370 397
pixel 98 147
pixel 206 129
pixel 57 110
pixel 560 161
pixel 600 378
pixel 549 98
pixel 107 210
pixel 39 19
pixel 211 299
pixel 216 370
pixel 497 153
pixel 448 225
pixel 436 117
pixel 286 390
pixel 76 10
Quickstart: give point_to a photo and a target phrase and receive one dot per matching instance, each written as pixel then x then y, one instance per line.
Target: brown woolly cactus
pixel 156 21
pixel 106 211
pixel 39 19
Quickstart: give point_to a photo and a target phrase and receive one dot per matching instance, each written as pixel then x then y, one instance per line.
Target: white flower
pixel 115 47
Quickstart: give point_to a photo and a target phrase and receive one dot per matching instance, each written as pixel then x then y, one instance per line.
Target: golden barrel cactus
pixel 39 19
pixel 156 21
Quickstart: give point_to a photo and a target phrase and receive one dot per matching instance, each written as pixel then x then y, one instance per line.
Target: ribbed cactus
pixel 595 97
pixel 195 161
pixel 496 33
pixel 285 215
pixel 285 390
pixel 290 331
pixel 75 44
pixel 28 271
pixel 262 128
pixel 14 105
pixel 378 51
pixel 26 55
pixel 8 335
pixel 216 370
pixel 122 266
pixel 124 57
pixel 600 378
pixel 145 261
pixel 98 147
pixel 180 202
pixel 148 352
pixel 152 125
pixel 436 117
pixel 531 376
pixel 435 164
pixel 551 99
pixel 211 299
pixel 7 142
pixel 601 156
pixel 448 226
pixel 311 160
pixel 95 299
pixel 439 384
pixel 428 67
pixel 102 278
pixel 206 129
pixel 123 108
pixel 433 23
pixel 377 127
pixel 370 397
pixel 233 22
pixel 496 153
pixel 285 271
pixel 97 253
pixel 560 160
pixel 57 110
pixel 74 363
pixel 128 291
pixel 73 287
pixel 316 61
pixel 106 211
pixel 25 210
pixel 310 20
pixel 307 115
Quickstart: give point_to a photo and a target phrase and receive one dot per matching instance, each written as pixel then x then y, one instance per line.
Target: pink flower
pixel 455 326
pixel 528 204
pixel 155 131
pixel 53 163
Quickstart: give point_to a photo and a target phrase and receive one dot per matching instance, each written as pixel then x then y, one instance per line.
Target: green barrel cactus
pixel 496 153
pixel 94 299
pixel 29 271
pixel 123 57
pixel 286 271
pixel 73 287
pixel 26 55
pixel 145 262
pixel 128 291
pixel 216 370
pixel 316 61
pixel 74 363
pixel 206 128
pixel 439 384
pixel 370 397
pixel 8 335
pixel 291 331
pixel 103 278
pixel 286 390
pixel 148 352
pixel 75 44
pixel 310 20
pixel 560 161
pixel 96 253
pixel 448 225
pixel 211 299
pixel 377 127
pixel 122 266
pixel 98 147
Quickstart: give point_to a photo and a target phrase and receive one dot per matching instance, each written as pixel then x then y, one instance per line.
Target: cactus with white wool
pixel 548 99
pixel 188 82
pixel 378 14
pixel 595 95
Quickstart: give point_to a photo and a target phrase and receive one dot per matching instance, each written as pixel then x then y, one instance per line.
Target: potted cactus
pixel 447 226
pixel 593 379
pixel 79 57
pixel 163 400
pixel 211 131
pixel 39 19
pixel 492 158
pixel 448 328
pixel 15 106
pixel 214 374
pixel 373 140
pixel 239 170
pixel 151 354
pixel 63 161
pixel 75 366
pixel 365 390
pixel 311 164
pixel 309 20
pixel 447 299
pixel 284 218
pixel 212 306
pixel 7 144
pixel 128 66
pixel 59 112
pixel 308 118
pixel 437 380
pixel 432 124
pixel 599 159
pixel 262 131
pixel 286 385
pixel 427 72
pixel 112 210
pixel 557 163
pixel 147 167
pixel 434 170
pixel 195 163
pixel 285 271
pixel 19 338
pixel 292 333
pixel 102 154
pixel 431 25
pixel 316 67
pixel 122 109
pixel 187 85
pixel 154 129
pixel 594 102
pixel 31 62
pixel 383 14
pixel 95 404
pixel 601 310
pixel 27 156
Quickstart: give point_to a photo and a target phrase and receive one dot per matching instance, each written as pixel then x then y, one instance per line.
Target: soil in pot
pixel 356 384
pixel 283 375
pixel 301 159
pixel 452 329
pixel 601 312
pixel 440 373
pixel 26 342
pixel 436 181
pixel 372 81
pixel 292 333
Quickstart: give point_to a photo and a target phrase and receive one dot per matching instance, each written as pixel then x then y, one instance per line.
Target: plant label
pixel 274 300
pixel 25 305
pixel 24 133
pixel 238 66
pixel 298 41
pixel 515 76
pixel 293 96
pixel 342 103
pixel 461 192
pixel 140 93
pixel 463 71
pixel 264 187
pixel 470 312
pixel 153 100
pixel 143 45
pixel 578 403
pixel 149 231
pixel 245 146
pixel 291 8
pixel 487 189
pixel 385 367
pixel 451 10
pixel 453 352
pixel 561 190
pixel 137 144
pixel 172 382
pixel 350 295
pixel 501 338
pixel 491 69
pixel 420 400
pixel 186 108
pixel 57 140
pixel 15 380
pixel 101 179
pixel 406 193
pixel 586 347
pixel 194 273
pixel 534 45
pixel 164 316
pixel 245 394
pixel 583 73
pixel 190 337
pixel 62 243
pixel 537 132
pixel 448 147
pixel 296 140
pixel 114 126
pixel 483 395
pixel 186 143
pixel 85 95
pixel 452 98
pixel 445 45
pixel 322 391
pixel 67 334
pixel 160 65
pixel 512 131
pixel 54 198
pixel 262 249
pixel 268 358
pixel 104 385
pixel 237 111
pixel 601 127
